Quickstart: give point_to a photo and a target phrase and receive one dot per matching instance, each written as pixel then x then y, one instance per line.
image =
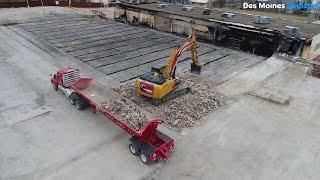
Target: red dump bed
pixel 97 94
pixel 148 136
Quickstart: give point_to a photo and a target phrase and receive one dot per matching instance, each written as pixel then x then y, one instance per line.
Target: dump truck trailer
pixel 147 142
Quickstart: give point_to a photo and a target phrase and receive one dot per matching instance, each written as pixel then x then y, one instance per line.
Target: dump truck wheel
pixel 144 158
pixel 73 98
pixel 134 150
pixel 160 159
pixel 79 104
pixel 72 101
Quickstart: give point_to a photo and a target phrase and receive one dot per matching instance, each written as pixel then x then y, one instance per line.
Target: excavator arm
pixel 195 65
pixel 190 42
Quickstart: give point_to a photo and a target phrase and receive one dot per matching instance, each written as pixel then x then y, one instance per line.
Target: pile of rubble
pixel 184 111
pixel 127 112
pixel 315 71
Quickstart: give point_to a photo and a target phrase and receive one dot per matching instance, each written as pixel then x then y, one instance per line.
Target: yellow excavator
pixel 161 84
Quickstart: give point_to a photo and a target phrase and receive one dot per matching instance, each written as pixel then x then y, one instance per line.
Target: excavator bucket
pixel 195 68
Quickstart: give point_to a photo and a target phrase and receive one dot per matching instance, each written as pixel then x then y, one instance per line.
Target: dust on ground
pixel 183 111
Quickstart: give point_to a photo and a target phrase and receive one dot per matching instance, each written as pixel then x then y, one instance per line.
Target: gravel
pixel 184 111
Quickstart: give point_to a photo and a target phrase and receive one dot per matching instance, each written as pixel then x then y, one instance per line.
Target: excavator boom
pixel 176 53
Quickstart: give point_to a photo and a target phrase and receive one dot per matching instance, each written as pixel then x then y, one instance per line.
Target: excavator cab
pixel 158 71
pixel 150 77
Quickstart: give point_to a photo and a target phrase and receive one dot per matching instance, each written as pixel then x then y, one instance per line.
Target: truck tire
pixel 144 158
pixel 160 159
pixel 134 150
pixel 80 105
pixel 73 97
pixel 72 101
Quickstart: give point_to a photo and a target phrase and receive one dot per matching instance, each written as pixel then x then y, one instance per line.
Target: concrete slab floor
pixel 44 137
pixel 107 45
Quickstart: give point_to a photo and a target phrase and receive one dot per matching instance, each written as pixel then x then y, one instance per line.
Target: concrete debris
pixel 184 111
pixel 127 112
pixel 314 70
pixel 272 95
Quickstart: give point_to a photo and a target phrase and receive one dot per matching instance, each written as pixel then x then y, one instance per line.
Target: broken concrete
pixel 272 95
pixel 183 111
pixel 126 112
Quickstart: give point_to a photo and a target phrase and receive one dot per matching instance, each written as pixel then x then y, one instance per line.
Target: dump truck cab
pixel 64 77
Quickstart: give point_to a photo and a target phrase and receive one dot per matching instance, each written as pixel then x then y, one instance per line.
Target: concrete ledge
pixel 272 94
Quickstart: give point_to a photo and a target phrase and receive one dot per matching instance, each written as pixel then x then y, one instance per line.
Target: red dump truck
pixel 147 142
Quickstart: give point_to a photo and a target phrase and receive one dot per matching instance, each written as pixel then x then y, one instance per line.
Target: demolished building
pixel 260 35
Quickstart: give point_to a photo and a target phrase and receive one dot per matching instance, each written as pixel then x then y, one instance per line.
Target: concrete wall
pixel 99 1
pixel 64 3
pixel 118 12
pixel 202 5
pixel 180 27
pixel 132 16
pixel 147 19
pixel 142 18
pixel 202 31
pixel 305 51
pixel 163 23
pixel 314 53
